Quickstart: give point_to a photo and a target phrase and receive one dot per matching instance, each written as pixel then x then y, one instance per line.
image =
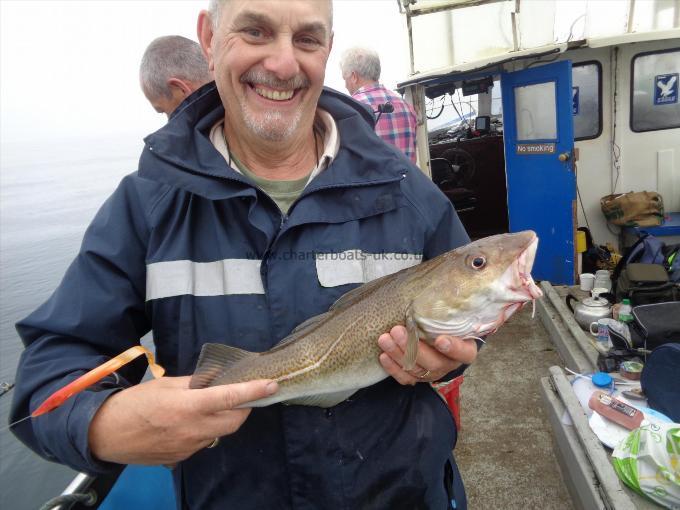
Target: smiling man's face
pixel 269 59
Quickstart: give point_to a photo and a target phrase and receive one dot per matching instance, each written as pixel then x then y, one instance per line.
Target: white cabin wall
pixel 594 165
pixel 649 160
pixel 432 41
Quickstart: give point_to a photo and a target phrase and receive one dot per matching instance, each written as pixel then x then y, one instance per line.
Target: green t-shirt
pixel 284 193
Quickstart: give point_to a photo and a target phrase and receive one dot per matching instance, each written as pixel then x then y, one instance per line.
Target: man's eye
pixel 308 41
pixel 253 32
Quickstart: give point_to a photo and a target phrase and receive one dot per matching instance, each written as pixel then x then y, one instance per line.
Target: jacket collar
pixel 181 153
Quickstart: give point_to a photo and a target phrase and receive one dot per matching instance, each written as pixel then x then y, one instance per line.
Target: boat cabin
pixel 557 105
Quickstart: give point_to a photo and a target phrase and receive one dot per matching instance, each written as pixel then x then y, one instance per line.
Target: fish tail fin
pixel 214 361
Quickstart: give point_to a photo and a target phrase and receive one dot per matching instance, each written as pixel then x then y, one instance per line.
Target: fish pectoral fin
pixel 214 361
pixel 411 343
pixel 322 399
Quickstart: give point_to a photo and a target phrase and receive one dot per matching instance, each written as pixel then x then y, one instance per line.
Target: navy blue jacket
pixel 192 250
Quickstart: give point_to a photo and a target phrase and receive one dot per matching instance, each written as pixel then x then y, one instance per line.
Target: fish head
pixel 477 287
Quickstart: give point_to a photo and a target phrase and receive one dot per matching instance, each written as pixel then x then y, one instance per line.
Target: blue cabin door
pixel 539 145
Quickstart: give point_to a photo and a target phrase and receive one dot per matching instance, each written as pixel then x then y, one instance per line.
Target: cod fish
pixel 468 292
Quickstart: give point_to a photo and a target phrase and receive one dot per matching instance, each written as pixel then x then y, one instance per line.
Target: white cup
pixel 604 283
pixel 603 279
pixel 602 331
pixel 587 281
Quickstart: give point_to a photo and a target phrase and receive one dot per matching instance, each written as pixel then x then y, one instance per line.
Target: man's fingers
pixel 229 396
pixel 399 334
pixel 463 350
pixel 223 423
pixel 395 370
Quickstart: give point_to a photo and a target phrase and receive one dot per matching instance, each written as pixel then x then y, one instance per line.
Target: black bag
pixel 655 324
pixel 660 380
pixel 645 283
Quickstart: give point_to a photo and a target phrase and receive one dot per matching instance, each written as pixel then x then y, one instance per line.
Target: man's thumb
pixel 231 396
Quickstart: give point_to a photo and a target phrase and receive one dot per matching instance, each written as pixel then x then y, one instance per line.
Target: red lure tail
pixel 96 374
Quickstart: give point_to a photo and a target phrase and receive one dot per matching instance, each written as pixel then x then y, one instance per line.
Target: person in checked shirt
pixel 361 71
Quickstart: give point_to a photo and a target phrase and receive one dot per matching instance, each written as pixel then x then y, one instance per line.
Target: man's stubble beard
pixel 272 126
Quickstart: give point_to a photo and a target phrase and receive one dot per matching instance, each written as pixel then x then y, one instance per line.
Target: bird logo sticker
pixel 666 89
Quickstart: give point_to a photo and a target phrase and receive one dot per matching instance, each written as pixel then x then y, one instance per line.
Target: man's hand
pixel 432 364
pixel 162 421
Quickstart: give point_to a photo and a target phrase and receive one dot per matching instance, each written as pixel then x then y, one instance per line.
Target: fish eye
pixel 478 262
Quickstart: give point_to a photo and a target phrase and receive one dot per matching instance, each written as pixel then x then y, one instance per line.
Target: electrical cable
pixel 462 119
pixel 441 110
pixel 615 149
pixel 460 103
pixel 583 210
pixel 571 28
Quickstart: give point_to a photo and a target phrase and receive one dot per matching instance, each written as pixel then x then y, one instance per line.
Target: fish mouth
pixel 508 294
pixel 518 276
pixel 517 287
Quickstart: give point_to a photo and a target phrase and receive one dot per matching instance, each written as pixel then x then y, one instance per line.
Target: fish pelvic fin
pixel 411 343
pixel 214 361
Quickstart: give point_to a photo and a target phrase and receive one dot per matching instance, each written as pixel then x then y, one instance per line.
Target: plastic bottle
pixel 625 311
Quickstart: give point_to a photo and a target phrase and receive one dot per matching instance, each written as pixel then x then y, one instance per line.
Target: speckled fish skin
pixel 330 356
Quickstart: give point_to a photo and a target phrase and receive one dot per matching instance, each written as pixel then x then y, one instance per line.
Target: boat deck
pixel 505 447
pixel 584 462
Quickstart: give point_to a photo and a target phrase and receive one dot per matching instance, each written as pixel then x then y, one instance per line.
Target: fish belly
pixel 325 390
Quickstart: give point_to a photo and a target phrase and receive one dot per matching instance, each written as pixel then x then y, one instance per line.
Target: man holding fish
pixel 254 209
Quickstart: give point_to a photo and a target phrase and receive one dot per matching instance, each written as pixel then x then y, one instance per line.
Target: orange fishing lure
pixel 96 374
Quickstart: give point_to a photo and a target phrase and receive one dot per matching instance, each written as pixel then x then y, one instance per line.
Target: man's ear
pixel 182 85
pixel 205 35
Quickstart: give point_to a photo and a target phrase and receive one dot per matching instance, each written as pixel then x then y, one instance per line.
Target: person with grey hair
pixel 263 201
pixel 361 71
pixel 172 68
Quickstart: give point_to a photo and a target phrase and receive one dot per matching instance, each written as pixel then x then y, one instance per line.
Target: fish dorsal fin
pixel 308 325
pixel 214 361
pixel 322 399
pixel 360 292
pixel 304 328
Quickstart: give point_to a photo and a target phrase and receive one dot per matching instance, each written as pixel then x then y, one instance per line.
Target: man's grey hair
pixel 215 9
pixel 172 56
pixel 363 61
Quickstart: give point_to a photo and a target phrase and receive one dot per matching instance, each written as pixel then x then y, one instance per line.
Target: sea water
pixel 49 192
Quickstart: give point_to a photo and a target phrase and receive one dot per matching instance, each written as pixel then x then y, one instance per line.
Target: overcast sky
pixel 69 69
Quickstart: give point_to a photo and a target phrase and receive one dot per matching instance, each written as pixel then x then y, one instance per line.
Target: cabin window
pixel 654 90
pixel 534 120
pixel 586 81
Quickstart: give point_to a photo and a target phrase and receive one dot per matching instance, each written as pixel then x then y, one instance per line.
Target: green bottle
pixel 625 312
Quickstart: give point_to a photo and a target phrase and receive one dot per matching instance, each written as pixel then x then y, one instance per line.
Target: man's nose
pixel 283 61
